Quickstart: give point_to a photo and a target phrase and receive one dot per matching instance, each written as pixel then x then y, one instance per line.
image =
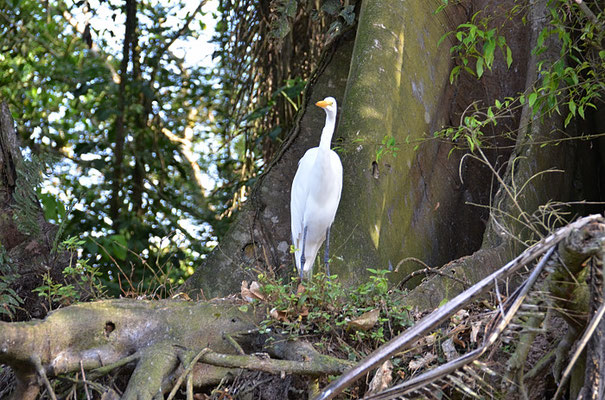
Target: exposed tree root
pixel 161 339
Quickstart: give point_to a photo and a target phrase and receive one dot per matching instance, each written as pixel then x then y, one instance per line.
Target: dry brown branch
pixel 442 313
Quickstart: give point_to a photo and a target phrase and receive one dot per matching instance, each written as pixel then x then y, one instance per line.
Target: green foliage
pixel 570 85
pixel 153 159
pixel 474 124
pixel 387 146
pixel 80 280
pixel 325 309
pixel 576 79
pixel 55 292
pixel 67 101
pixel 26 207
pixel 476 41
pixel 9 299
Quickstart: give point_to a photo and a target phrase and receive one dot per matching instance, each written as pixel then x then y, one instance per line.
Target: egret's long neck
pixel 328 131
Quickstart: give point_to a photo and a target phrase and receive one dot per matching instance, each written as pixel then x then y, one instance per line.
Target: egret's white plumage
pixel 315 195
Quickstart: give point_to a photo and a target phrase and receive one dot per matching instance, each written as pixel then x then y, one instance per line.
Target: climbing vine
pixel 570 85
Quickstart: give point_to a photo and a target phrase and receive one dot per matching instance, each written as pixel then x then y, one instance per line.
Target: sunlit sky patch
pixel 108 27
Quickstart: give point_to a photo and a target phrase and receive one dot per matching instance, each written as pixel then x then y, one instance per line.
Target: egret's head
pixel 328 104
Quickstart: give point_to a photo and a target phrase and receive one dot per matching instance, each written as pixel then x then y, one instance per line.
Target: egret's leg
pixel 302 255
pixel 327 253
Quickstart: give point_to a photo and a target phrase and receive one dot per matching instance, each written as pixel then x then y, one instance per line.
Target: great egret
pixel 315 196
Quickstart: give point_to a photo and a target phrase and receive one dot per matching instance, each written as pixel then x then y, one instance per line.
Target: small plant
pixel 388 146
pixel 84 280
pixel 324 310
pixel 474 41
pixel 87 277
pixel 9 299
pixel 55 292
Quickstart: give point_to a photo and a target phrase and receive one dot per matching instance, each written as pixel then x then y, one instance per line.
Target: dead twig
pixel 187 373
pixel 427 270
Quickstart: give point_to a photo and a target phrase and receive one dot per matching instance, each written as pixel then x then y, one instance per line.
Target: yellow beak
pixel 323 103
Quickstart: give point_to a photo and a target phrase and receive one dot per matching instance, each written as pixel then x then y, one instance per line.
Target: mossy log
pixel 159 338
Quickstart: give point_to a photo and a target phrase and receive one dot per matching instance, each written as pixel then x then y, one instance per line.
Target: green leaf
pixel 471 143
pixel 568 119
pixel 531 99
pixel 119 246
pixel 559 68
pixel 454 73
pixel 479 67
pixel 509 57
pixel 52 207
pixel 488 53
pixel 442 38
pixel 572 107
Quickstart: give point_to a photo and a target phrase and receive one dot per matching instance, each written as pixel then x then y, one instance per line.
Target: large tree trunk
pixel 259 239
pixel 545 172
pixel 394 83
pixel 392 80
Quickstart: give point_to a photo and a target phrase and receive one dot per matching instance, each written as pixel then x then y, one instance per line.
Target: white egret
pixel 315 196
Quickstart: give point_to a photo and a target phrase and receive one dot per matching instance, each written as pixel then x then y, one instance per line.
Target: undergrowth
pixel 337 319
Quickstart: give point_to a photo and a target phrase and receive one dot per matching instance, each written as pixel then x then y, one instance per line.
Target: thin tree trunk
pixel 120 124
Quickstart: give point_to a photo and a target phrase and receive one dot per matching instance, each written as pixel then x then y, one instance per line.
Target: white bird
pixel 315 196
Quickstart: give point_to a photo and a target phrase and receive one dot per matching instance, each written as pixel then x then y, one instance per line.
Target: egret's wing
pixel 298 199
pixel 336 166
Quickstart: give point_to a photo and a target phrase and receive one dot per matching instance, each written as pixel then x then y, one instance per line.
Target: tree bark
pixel 121 124
pixel 391 80
pixel 514 211
pixel 259 238
pixel 158 337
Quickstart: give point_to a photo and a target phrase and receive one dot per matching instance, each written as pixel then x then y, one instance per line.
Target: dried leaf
pixel 422 362
pixel 252 293
pixel 365 321
pixel 300 289
pixel 278 315
pixel 246 293
pixel 110 394
pixel 475 328
pixel 449 350
pixel 460 316
pixel 429 340
pixel 182 296
pixel 304 311
pixel 382 379
pixel 255 289
pixel 417 346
